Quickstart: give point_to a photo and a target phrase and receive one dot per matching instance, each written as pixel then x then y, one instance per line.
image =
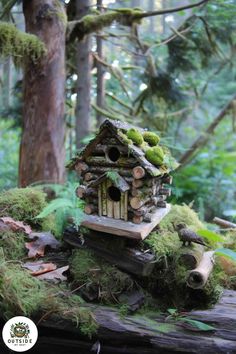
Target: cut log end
pixel 138 172
pixel 198 277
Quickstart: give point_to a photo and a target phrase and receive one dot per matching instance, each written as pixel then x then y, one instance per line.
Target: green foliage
pixel 226 253
pixel 135 136
pixel 155 155
pixel 210 235
pixel 9 154
pixel 91 271
pixel 199 325
pixel 22 204
pixel 66 206
pixel 19 45
pixel 151 138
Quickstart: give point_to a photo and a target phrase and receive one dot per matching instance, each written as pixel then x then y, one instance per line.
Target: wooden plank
pixel 125 228
pixel 122 206
pixel 116 210
pixel 110 203
pixel 104 198
pixel 100 200
pixel 126 207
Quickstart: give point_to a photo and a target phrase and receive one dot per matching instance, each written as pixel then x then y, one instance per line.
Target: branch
pixel 224 223
pixel 93 23
pixel 7 8
pixel 204 137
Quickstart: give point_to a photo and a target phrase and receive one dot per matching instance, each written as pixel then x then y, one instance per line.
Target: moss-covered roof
pixel 130 136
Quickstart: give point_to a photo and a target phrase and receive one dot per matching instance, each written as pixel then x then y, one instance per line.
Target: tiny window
pixel 113 153
pixel 114 194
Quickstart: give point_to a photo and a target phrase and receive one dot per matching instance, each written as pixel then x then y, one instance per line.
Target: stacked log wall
pixel 146 193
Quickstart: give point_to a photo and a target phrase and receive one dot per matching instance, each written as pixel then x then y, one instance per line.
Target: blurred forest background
pixel 173 73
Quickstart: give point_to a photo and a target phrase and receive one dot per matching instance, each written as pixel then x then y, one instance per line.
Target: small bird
pixel 187 235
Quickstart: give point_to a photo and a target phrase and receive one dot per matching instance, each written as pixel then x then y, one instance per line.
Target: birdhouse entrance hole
pixel 113 154
pixel 114 194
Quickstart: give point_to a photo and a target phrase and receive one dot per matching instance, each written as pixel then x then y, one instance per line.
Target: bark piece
pixel 224 223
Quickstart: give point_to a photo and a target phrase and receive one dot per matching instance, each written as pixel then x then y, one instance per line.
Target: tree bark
pixel 100 75
pixel 84 66
pixel 42 152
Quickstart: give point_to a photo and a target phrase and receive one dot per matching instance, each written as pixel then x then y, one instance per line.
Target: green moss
pixel 135 136
pixel 13 245
pixel 151 138
pixel 87 269
pixel 23 294
pixel 19 45
pixel 155 155
pixel 22 204
pixel 144 146
pixel 178 214
pixel 125 139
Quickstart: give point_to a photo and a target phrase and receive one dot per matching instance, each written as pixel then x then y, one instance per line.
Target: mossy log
pixel 198 277
pixel 102 161
pixel 147 334
pixel 190 257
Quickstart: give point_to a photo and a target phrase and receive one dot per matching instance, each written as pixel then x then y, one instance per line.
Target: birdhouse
pixel 124 174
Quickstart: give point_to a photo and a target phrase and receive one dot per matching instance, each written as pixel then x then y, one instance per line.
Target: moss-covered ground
pixel 91 279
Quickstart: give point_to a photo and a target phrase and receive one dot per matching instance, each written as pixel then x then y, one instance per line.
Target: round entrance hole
pixel 113 154
pixel 114 194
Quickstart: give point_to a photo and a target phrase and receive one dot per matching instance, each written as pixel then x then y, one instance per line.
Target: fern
pixel 66 206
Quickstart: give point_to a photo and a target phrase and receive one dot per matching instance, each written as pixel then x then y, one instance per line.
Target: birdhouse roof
pixel 118 130
pixel 115 178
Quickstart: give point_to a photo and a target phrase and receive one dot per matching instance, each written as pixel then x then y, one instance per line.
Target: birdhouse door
pixel 112 202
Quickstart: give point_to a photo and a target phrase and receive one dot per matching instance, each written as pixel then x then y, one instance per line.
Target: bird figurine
pixel 187 235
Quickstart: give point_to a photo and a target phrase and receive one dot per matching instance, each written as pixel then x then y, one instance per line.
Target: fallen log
pixel 224 223
pixel 144 334
pixel 198 277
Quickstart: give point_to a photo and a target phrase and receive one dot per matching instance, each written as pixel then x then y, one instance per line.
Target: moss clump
pixel 23 294
pixel 22 204
pixel 96 274
pixel 151 138
pixel 181 214
pixel 19 45
pixel 135 136
pixel 155 155
pixel 13 245
pixel 125 139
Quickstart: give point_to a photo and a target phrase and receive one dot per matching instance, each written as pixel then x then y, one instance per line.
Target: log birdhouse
pixel 124 180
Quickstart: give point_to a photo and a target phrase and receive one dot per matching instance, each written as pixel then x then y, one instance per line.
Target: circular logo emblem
pixel 20 334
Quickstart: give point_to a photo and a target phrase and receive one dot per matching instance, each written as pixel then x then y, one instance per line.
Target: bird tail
pixel 202 243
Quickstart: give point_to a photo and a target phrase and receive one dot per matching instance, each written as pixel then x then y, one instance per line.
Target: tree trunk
pixel 100 75
pixel 83 104
pixel 42 150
